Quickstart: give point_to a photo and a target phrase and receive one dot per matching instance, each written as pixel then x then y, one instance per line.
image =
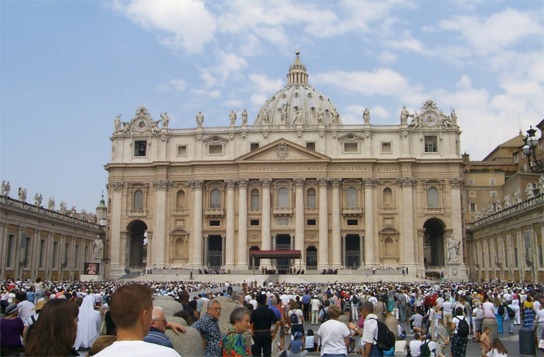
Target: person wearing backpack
pixel 295 318
pixel 369 333
pixel 460 335
pixel 509 316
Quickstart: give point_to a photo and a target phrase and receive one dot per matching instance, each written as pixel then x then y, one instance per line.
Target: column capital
pixel 118 186
pixel 299 182
pixel 266 182
pixel 336 183
pixel 230 184
pixel 371 182
pixel 161 185
pixel 242 183
pixel 406 181
pixel 323 182
pixel 456 182
pixel 197 184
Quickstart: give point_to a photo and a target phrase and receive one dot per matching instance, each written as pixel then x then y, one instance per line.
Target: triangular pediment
pixel 283 151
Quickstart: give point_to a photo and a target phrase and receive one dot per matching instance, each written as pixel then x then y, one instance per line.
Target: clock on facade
pixel 430 118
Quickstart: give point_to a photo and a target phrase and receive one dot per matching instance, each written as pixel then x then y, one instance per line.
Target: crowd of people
pixel 117 318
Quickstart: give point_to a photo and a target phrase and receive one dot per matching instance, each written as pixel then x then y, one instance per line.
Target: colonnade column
pixel 370 236
pixel 159 228
pixel 407 233
pixel 337 247
pixel 456 215
pixel 265 229
pixel 299 221
pixel 196 241
pixel 242 251
pixel 323 225
pixel 117 266
pixel 229 245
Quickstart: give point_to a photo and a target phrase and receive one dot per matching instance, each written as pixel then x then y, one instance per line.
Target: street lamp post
pixel 529 149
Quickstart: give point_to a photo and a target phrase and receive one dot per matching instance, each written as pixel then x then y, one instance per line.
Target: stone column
pixel 196 241
pixel 336 239
pixel 229 246
pixel 242 251
pixel 117 266
pixel 4 248
pixel 370 235
pixel 323 262
pixel 299 221
pixel 407 233
pixel 457 271
pixel 159 227
pixel 265 229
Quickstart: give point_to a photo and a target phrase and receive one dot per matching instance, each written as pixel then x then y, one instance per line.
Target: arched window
pixel 138 202
pixel 255 199
pixel 180 199
pixel 310 198
pixel 432 197
pixel 283 197
pixel 215 198
pixel 387 197
pixel 351 197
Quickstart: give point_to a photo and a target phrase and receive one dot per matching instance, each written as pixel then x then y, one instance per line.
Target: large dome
pixel 297 103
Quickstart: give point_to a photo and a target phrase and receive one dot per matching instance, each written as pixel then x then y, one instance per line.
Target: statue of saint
pixel 117 123
pixel 232 117
pixel 453 117
pixel 199 119
pixel 366 116
pixel 529 191
pixel 22 194
pixel 517 196
pixel 98 247
pixel 453 248
pixel 404 116
pixel 165 119
pixel 5 188
pixel 244 117
pixel 51 204
pixel 62 207
pixel 38 199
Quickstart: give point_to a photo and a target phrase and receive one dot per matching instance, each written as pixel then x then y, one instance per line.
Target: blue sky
pixel 68 68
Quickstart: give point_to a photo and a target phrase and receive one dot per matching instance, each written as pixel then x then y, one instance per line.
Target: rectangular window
pixel 11 242
pixel 140 148
pixel 492 181
pixel 215 149
pixel 215 223
pixel 470 181
pixel 253 146
pixel 310 145
pixel 311 222
pixel 471 193
pixel 386 148
pixel 351 147
pixel 431 144
pixel 42 253
pixel 493 194
pixel 254 222
pixel 353 222
pixel 473 207
pixel 182 150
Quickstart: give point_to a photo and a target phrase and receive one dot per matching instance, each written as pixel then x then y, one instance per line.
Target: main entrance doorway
pixel 353 251
pixel 283 242
pixel 215 251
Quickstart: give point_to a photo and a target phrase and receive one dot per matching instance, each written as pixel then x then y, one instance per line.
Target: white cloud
pixel 388 57
pixel 497 32
pixel 187 23
pixel 382 81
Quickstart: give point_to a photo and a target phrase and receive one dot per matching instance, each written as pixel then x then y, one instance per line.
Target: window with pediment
pixel 387 197
pixel 138 201
pixel 283 197
pixel 351 197
pixel 180 200
pixel 215 198
pixel 432 197
pixel 255 202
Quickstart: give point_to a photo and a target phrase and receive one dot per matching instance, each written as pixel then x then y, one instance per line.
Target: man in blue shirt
pixel 156 333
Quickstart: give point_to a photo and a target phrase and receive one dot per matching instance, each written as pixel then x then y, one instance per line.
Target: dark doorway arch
pixel 311 258
pixel 254 263
pixel 137 250
pixel 215 251
pixel 433 243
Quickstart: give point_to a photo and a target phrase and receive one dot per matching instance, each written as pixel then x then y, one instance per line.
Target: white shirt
pixel 315 303
pixel 332 334
pixel 447 308
pixel 137 349
pixel 370 330
pixel 26 309
pixel 415 348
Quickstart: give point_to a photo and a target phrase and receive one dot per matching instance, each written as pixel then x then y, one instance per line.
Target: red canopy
pixel 276 254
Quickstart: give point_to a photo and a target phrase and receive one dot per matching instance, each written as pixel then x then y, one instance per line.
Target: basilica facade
pixel 357 196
